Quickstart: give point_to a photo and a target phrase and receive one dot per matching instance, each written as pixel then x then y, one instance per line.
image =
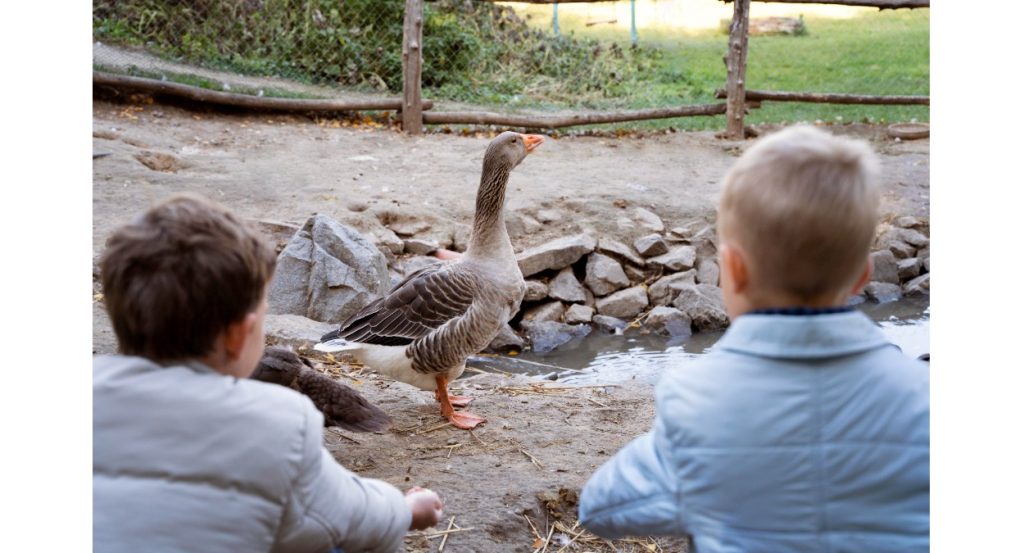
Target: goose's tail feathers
pixel 336 345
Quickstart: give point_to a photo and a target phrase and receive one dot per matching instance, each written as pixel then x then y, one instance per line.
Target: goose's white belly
pixel 393 362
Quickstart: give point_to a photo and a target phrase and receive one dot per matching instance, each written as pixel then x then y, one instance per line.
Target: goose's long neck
pixel 490 237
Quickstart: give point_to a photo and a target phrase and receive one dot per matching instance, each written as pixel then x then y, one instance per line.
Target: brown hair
pixel 803 205
pixel 178 275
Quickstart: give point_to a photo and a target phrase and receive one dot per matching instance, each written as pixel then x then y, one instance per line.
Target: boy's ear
pixel 864 278
pixel 732 261
pixel 236 334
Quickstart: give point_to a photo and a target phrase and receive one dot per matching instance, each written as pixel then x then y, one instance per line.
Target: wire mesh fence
pixel 522 56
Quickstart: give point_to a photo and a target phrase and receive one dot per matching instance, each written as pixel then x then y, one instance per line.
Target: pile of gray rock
pixel 661 281
pixel 902 260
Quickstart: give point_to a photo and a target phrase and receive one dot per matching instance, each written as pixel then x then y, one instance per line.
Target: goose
pixel 422 331
pixel 341 406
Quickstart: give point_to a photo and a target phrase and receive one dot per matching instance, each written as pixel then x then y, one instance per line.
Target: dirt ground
pixel 538 444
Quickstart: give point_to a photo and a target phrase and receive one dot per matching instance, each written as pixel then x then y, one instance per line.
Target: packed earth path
pixel 511 485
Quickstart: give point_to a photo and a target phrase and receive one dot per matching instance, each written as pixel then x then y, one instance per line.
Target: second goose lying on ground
pixel 341 406
pixel 422 331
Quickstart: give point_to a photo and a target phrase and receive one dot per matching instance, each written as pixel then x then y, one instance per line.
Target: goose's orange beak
pixel 532 141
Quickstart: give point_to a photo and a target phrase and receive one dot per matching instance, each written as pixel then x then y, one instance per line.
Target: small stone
pixel 460 237
pixel 294 330
pixel 648 220
pixel 624 304
pixel 908 222
pixel 679 234
pixel 634 274
pixel 925 254
pixel 548 216
pixel 604 275
pixel 551 311
pixel 668 321
pixel 608 324
pixel 885 269
pixel 506 340
pixel 856 299
pixel 418 246
pixel 557 254
pixel 651 245
pixel 704 305
pixel 707 271
pixel 883 292
pixel 565 287
pixel 909 268
pixel 679 258
pixel 666 288
pixel 912 237
pixel 409 265
pixel 621 251
pixel 535 290
pixel 390 241
pixel 919 285
pixel 901 249
pixel 545 336
pixel 579 314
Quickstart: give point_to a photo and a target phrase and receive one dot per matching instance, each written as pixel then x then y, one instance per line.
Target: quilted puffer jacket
pixel 795 434
pixel 188 459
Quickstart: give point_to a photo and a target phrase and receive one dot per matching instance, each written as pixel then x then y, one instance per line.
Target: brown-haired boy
pixel 804 429
pixel 189 455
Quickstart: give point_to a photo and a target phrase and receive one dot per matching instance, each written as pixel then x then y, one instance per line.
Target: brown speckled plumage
pixel 341 405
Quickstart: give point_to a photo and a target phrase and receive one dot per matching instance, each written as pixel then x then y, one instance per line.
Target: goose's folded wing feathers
pixel 426 300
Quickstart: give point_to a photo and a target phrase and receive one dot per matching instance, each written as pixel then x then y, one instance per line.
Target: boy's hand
pixel 426 508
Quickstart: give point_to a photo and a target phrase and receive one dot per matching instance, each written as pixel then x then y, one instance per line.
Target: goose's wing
pixel 423 302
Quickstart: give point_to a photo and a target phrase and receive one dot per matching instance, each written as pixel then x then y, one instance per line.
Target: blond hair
pixel 802 205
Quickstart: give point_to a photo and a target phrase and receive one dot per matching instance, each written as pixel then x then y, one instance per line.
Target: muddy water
pixel 607 359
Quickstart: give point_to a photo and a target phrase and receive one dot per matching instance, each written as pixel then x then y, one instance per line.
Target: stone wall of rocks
pixel 663 281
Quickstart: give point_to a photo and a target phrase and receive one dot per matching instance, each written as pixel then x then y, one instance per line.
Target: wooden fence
pixel 414 109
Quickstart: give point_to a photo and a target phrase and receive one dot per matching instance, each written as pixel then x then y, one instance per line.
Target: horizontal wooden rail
pixel 826 98
pixel 558 121
pixel 244 100
pixel 880 4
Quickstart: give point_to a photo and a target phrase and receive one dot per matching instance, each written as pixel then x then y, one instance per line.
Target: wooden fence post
pixel 412 67
pixel 736 64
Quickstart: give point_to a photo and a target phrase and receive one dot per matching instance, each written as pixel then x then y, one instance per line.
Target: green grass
pixel 873 53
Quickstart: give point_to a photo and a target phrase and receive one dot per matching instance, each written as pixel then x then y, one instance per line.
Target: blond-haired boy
pixel 190 455
pixel 804 429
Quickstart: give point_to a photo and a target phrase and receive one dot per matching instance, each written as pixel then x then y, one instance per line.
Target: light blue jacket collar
pixel 802 337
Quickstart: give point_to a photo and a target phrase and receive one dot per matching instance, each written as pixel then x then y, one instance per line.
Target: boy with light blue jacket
pixel 804 430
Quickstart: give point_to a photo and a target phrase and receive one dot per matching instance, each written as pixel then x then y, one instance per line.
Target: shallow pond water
pixel 608 358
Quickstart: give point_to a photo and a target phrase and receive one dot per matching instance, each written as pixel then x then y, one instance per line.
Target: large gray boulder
pixel 624 304
pixel 557 254
pixel 679 258
pixel 565 287
pixel 704 305
pixel 666 288
pixel 327 272
pixel 886 267
pixel 604 275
